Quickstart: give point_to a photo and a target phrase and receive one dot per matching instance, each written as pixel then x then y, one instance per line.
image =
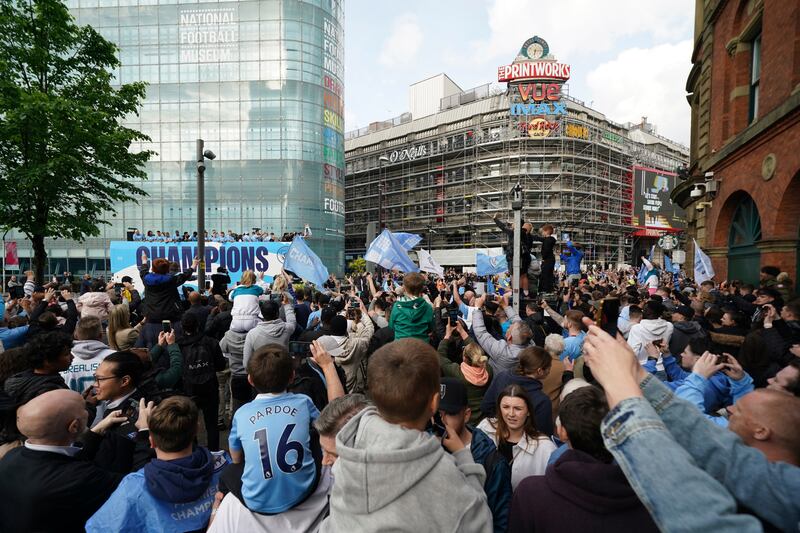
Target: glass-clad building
pixel 261 81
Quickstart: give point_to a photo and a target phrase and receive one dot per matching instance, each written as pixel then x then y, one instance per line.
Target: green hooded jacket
pixel 412 318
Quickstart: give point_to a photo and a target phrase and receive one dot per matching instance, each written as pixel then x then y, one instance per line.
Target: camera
pixel 166 326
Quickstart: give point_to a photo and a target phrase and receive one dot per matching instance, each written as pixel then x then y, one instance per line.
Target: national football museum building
pixel 261 82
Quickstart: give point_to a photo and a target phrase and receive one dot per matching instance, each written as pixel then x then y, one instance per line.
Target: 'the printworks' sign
pixel 535 80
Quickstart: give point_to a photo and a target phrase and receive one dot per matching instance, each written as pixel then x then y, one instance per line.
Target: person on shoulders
pixel 88 352
pixel 276 456
pixel 173 492
pixel 412 315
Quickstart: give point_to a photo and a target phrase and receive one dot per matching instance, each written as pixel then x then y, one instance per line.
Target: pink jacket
pixel 95 304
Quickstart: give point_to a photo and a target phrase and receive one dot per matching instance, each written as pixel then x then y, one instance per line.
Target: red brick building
pixel 743 196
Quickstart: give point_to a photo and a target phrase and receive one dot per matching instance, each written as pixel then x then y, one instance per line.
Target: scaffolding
pixel 578 178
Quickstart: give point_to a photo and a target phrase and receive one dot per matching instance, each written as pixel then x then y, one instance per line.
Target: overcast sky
pixel 630 58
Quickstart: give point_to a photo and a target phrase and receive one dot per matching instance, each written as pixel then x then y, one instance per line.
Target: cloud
pixel 403 43
pixel 581 27
pixel 646 82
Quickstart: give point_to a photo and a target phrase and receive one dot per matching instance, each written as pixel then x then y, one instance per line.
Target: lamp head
pixel 208 154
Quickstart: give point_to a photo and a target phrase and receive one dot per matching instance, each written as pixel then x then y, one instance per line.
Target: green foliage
pixel 64 156
pixel 357 266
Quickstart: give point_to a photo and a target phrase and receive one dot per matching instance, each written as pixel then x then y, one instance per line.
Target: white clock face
pixel 535 51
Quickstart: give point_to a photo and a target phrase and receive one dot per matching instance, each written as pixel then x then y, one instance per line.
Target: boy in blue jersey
pixel 271 436
pixel 175 491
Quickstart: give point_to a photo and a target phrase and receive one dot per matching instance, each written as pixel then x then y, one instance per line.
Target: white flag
pixel 427 264
pixel 703 269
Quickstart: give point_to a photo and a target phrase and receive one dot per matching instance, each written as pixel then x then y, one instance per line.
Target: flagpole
pixel 516 206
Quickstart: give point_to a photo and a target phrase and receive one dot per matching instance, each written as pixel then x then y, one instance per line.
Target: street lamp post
pixel 381 186
pixel 202 155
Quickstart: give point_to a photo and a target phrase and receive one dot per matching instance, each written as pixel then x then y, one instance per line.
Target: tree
pixel 64 155
pixel 357 266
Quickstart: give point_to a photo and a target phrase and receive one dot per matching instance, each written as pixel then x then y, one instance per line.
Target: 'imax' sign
pixel 408 154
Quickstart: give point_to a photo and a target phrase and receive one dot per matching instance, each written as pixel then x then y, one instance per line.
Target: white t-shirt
pixel 233 517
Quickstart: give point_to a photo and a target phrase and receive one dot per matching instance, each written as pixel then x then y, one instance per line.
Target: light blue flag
pixel 703 269
pixel 643 272
pixel 305 263
pixel 387 252
pixel 407 240
pixel 487 266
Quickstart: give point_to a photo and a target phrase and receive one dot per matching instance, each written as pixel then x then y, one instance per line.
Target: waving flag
pixel 427 264
pixel 407 240
pixel 487 266
pixel 703 269
pixel 389 253
pixel 301 260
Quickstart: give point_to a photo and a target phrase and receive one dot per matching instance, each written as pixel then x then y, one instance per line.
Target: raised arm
pixel 323 359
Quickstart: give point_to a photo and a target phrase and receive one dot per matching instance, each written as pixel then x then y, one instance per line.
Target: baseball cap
pixel 453 396
pixel 686 311
pixel 331 345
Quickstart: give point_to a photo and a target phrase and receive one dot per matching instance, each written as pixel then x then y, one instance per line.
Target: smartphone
pixel 608 315
pixel 166 327
pixel 355 303
pixel 722 359
pixel 300 349
pixel 439 428
pixel 453 316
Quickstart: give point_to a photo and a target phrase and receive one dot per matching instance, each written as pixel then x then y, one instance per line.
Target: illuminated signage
pixel 540 70
pixel 576 131
pixel 538 128
pixel 555 108
pixel 534 82
pixel 612 137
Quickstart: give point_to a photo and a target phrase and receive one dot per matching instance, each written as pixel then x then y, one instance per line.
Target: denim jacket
pixel 695 388
pixel 768 489
pixel 679 495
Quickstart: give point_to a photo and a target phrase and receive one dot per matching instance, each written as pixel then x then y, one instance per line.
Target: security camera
pixel 697 192
pixel 703 205
pixel 208 154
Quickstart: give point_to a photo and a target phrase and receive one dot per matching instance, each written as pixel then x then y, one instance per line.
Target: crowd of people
pixel 256 235
pixel 609 402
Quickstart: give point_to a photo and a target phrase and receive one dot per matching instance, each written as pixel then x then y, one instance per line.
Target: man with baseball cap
pixel 455 413
pixel 348 346
pixel 685 328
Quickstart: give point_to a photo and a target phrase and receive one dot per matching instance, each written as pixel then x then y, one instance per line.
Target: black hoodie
pixel 578 493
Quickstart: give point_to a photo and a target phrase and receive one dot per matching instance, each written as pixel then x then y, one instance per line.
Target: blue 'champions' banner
pixel 266 257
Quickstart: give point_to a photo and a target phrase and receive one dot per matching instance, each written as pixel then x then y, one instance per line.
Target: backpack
pixel 198 364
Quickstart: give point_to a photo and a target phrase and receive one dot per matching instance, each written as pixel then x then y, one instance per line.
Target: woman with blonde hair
pixel 121 336
pixel 515 434
pixel 472 370
pixel 246 313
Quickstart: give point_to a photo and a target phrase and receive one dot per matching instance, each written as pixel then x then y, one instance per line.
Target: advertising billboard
pixel 652 207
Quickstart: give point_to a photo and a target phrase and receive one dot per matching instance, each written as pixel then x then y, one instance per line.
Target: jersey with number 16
pixel 274 432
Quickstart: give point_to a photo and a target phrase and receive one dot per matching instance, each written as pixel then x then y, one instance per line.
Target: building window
pixel 755 78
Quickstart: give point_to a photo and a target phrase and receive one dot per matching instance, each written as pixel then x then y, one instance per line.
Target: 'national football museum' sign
pixel 535 80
